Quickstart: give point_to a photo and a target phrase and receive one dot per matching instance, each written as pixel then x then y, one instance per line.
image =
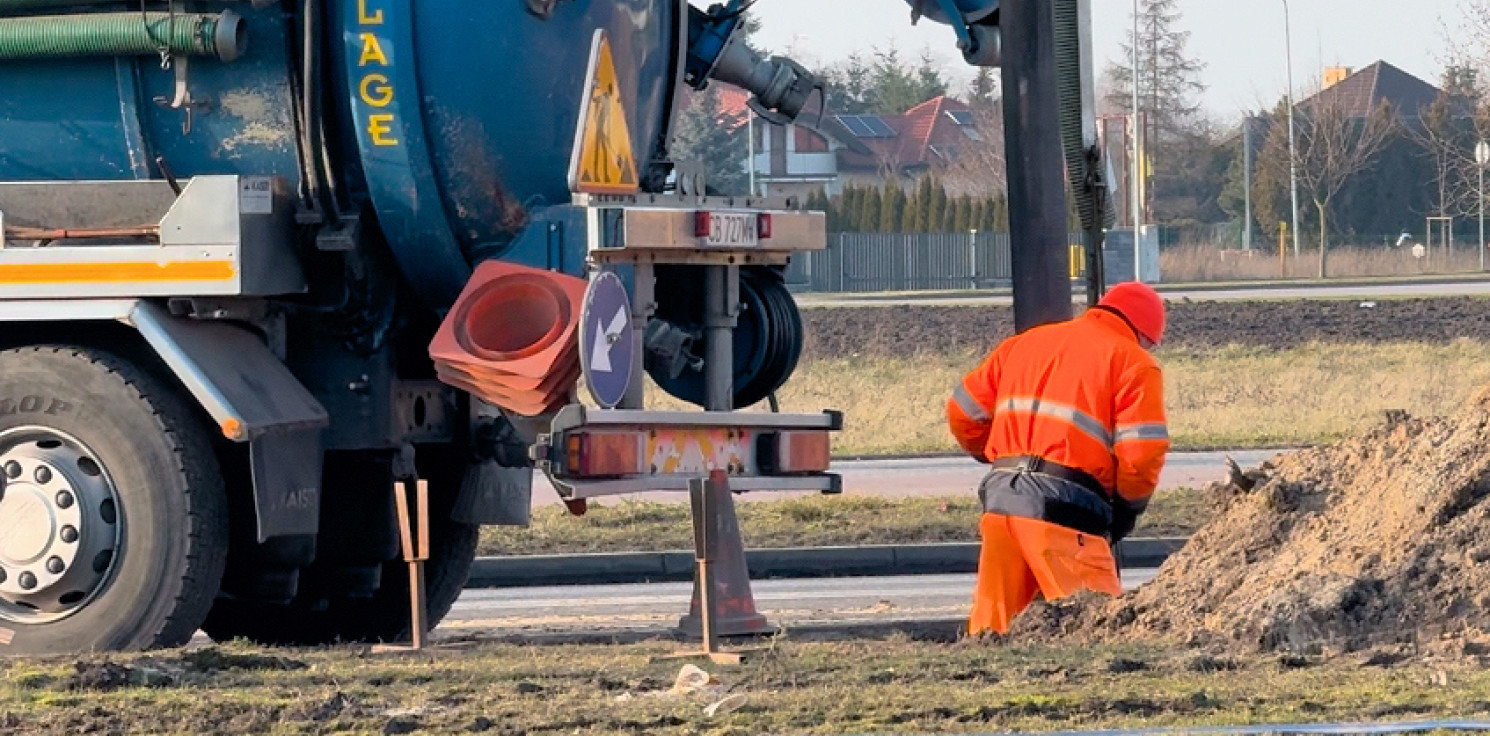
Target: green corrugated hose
pixel 1069 69
pixel 7 6
pixel 121 34
pixel 11 5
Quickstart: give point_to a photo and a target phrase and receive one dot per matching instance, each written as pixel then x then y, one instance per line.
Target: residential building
pixel 1362 91
pixel 829 152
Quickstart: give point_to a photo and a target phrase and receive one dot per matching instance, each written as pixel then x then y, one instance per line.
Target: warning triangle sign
pixel 602 162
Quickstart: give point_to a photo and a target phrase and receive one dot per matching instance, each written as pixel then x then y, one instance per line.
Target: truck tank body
pixel 455 118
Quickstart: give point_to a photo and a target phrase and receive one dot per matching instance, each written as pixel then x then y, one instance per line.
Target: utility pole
pixel 1247 180
pixel 1293 151
pixel 1136 177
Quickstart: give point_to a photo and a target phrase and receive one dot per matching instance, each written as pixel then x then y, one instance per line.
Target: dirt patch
pixel 212 659
pixel 101 676
pixel 1380 540
pixel 902 331
pixel 194 667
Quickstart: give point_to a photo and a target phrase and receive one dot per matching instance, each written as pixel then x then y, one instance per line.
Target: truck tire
pixel 314 620
pixel 113 519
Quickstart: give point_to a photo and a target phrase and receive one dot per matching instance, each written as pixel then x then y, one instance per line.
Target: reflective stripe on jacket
pixel 1081 393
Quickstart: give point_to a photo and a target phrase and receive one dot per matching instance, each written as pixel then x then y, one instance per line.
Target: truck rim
pixel 60 525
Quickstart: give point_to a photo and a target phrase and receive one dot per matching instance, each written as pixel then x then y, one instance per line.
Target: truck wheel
pixel 113 520
pixel 312 619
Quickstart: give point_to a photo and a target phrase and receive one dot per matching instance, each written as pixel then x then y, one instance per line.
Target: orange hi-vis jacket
pixel 1082 393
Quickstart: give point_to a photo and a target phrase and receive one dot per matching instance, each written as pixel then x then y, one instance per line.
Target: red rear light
pixel 786 453
pixel 603 454
pixel 702 223
pixel 763 226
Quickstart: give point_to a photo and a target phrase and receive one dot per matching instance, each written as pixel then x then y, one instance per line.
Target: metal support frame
pixel 709 504
pixel 721 315
pixel 645 230
pixel 643 306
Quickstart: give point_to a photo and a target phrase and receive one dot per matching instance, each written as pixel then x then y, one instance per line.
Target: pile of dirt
pixel 902 331
pixel 1383 539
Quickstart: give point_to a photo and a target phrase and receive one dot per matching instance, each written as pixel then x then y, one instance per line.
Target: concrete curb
pixel 801 562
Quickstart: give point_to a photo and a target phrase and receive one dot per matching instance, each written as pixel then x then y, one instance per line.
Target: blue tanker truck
pixel 231 234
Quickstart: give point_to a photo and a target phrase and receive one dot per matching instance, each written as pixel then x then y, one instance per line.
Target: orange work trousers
pixel 1022 557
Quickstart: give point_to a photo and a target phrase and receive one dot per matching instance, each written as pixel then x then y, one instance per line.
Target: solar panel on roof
pixel 866 126
pixel 961 117
pixel 878 127
pixel 947 153
pixel 854 125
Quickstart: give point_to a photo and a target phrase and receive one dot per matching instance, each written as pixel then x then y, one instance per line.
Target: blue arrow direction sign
pixel 607 344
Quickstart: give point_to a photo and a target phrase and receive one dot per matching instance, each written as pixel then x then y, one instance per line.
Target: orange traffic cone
pixel 566 374
pixel 512 381
pixel 526 404
pixel 510 339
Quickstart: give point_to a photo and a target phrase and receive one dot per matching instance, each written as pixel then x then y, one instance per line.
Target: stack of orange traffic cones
pixel 510 339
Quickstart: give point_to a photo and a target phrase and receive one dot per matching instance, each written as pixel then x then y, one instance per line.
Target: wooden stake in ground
pixel 414 539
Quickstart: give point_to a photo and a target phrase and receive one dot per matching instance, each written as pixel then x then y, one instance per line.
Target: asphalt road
pixel 1344 291
pixel 657 606
pixel 942 476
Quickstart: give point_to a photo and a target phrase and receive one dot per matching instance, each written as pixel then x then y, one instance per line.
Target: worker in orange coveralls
pixel 1071 418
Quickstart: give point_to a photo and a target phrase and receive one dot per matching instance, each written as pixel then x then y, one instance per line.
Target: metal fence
pixel 857 262
pixel 860 262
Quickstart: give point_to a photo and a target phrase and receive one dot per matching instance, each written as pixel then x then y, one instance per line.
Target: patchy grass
pixel 1246 397
pixel 895 683
pixel 1233 398
pixel 635 526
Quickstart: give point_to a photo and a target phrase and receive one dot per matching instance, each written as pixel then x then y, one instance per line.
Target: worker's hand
pixel 1124 518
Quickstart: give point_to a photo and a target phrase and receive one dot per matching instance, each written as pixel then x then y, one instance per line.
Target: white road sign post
pixel 1482 157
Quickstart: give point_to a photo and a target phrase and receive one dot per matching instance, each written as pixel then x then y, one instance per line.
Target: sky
pixel 1240 41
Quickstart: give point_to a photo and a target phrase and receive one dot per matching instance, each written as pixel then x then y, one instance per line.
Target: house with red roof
pixel 832 151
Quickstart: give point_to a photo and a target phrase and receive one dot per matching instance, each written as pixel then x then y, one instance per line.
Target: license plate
pixel 732 230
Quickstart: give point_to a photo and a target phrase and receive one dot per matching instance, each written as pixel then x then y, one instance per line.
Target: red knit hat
pixel 1141 305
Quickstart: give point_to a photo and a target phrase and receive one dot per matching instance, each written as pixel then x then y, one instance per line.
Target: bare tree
pixel 1469 41
pixel 1467 63
pixel 1336 142
pixel 1445 134
pixel 977 169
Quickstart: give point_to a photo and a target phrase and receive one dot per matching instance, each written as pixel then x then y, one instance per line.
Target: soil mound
pixel 1381 539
